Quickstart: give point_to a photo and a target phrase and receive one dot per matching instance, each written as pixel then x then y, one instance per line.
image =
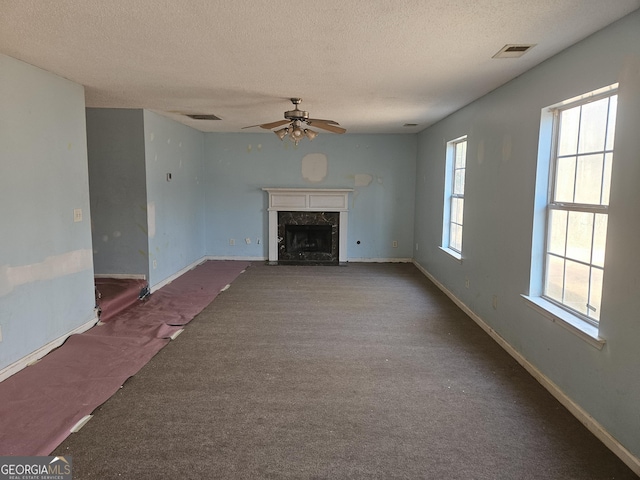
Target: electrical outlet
pixel 394 244
pixel 466 282
pixel 247 241
pixel 258 241
pixel 232 241
pixel 155 263
pixel 494 302
pixel 77 214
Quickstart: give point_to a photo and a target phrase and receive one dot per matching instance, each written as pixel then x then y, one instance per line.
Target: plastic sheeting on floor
pixel 40 404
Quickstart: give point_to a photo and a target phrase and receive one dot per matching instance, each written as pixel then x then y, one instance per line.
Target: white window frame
pixel 451 196
pixel 576 322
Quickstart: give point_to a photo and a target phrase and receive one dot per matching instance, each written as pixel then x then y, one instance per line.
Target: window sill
pixel 573 324
pixel 452 253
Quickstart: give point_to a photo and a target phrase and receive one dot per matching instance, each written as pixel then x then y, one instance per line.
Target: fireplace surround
pixel 308 225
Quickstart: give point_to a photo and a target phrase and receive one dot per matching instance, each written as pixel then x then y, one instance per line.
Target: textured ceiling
pixel 371 65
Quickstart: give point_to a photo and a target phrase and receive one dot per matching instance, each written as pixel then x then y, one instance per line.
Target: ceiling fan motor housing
pixel 296 114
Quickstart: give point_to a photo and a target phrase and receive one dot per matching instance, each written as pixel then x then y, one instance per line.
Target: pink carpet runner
pixel 40 404
pixel 116 295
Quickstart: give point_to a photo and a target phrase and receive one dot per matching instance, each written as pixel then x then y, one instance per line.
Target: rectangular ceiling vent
pixel 202 116
pixel 514 50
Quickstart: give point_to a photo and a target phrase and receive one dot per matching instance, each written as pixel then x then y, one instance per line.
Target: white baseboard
pixel 349 260
pixel 379 260
pixel 576 410
pixel 243 259
pixel 36 355
pixel 123 276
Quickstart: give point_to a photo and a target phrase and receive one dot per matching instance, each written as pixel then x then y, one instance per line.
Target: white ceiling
pixel 371 65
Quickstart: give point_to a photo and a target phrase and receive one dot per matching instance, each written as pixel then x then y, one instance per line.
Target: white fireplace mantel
pixel 307 200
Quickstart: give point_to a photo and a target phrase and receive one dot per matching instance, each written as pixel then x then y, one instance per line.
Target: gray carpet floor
pixel 310 372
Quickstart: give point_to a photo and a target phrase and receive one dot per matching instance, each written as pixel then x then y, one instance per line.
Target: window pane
pixel 595 293
pixel 459 238
pixel 455 237
pixel 454 209
pixel 589 179
pixel 606 183
pixel 557 232
pixel 593 123
pixel 458 182
pixel 611 128
pixel 568 136
pixel 460 212
pixel 599 239
pixel 565 179
pixel 555 278
pixel 579 236
pixel 576 288
pixel 461 154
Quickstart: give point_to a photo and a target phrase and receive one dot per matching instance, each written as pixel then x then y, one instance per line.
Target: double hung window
pixel 454 196
pixel 577 211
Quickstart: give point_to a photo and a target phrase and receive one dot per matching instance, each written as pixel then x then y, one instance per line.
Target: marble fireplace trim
pixel 308 200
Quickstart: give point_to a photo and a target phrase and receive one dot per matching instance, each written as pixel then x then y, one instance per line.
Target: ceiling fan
pixel 297 129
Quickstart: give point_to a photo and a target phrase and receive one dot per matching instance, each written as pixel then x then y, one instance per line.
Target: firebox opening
pixel 308 238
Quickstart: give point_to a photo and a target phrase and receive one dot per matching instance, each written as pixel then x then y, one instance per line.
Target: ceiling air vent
pixel 513 50
pixel 410 125
pixel 202 116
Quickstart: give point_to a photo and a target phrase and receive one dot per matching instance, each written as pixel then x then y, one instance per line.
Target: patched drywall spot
pixel 151 219
pixel 249 148
pixel 155 158
pixel 314 167
pixel 480 154
pixel 117 234
pixel 105 238
pixel 259 146
pixel 168 140
pixel 52 267
pixel 152 136
pixel 180 144
pixel 363 180
pixel 380 180
pixel 506 148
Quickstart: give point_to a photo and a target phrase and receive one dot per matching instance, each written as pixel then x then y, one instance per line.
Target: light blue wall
pixel 175 209
pixel 238 166
pixel 502 130
pixel 117 182
pixel 46 269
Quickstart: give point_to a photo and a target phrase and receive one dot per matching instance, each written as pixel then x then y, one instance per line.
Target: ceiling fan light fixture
pixel 310 134
pixel 282 132
pixel 296 134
